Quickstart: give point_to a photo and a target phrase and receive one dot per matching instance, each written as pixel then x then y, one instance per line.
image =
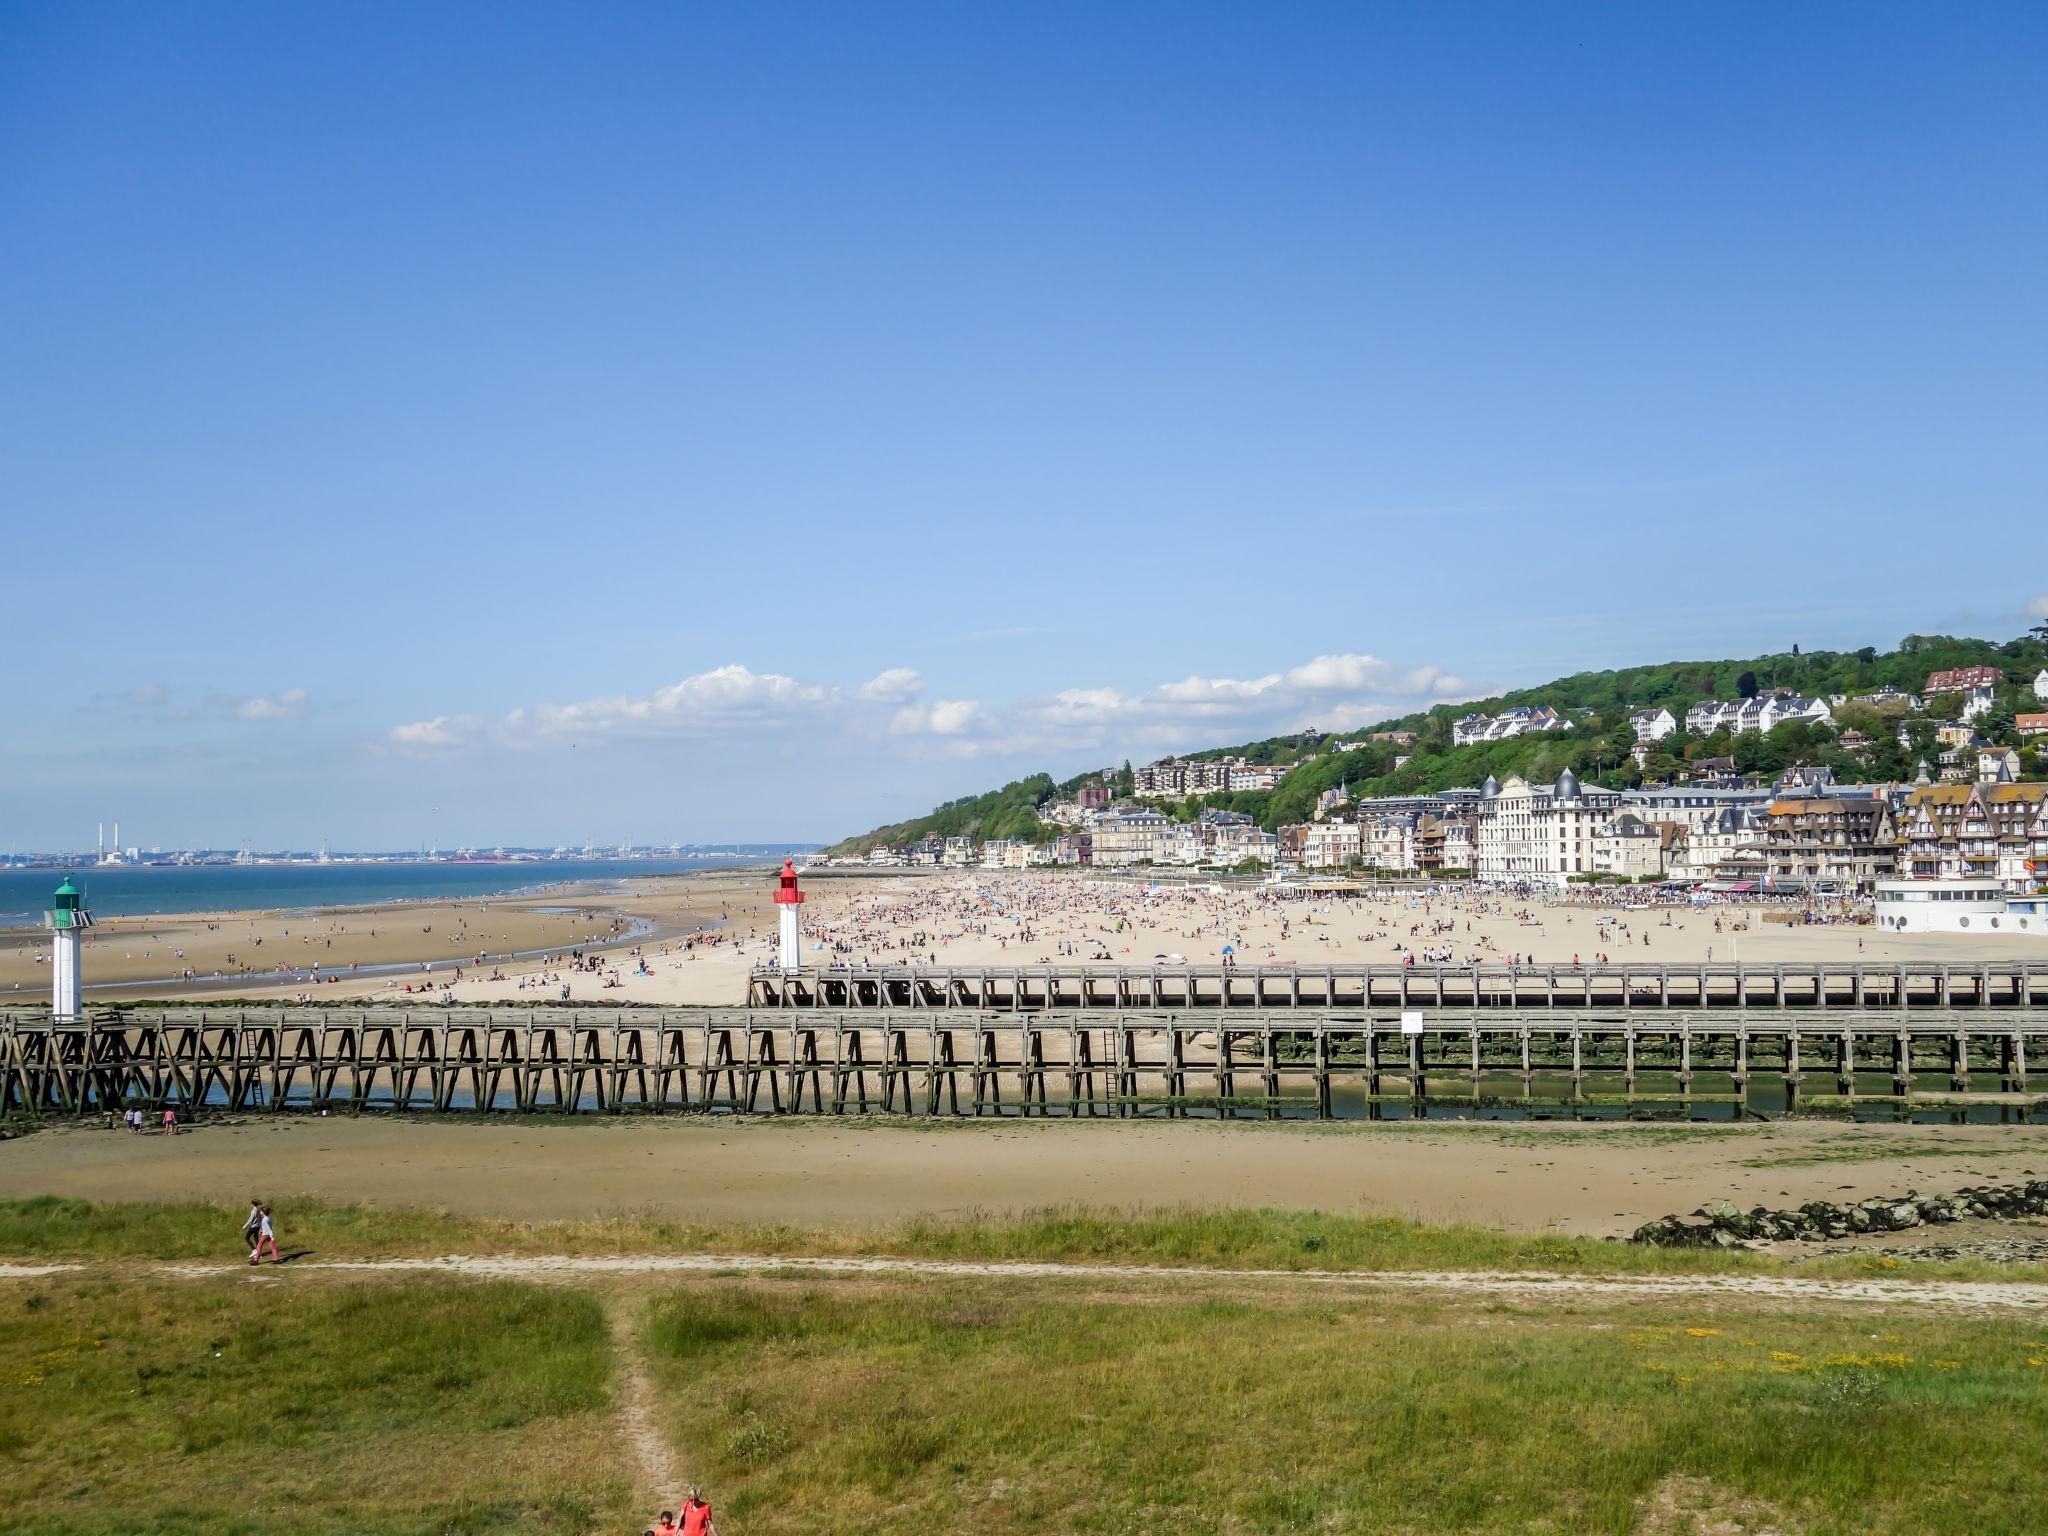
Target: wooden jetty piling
pixel 1272 1060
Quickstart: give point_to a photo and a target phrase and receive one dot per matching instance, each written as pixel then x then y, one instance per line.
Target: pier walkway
pixel 1856 984
pixel 1075 1062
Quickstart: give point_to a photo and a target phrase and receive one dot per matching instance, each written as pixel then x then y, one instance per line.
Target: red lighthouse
pixel 787 899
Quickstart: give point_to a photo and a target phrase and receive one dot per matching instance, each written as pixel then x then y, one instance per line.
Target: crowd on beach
pixel 1046 919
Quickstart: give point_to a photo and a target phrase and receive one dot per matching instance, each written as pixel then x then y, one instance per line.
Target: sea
pixel 138 890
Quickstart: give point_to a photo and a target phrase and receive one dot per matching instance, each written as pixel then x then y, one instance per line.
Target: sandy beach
pixel 1524 1177
pixel 690 940
pixel 962 918
pixel 392 950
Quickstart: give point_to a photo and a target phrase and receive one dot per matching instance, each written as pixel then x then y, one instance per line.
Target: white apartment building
pixel 1539 834
pixel 1763 713
pixel 1329 844
pixel 1006 853
pixel 1519 721
pixel 1653 724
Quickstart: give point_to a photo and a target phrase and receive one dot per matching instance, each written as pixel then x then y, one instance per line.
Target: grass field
pixel 48 1227
pixel 956 1408
pixel 306 1400
pixel 147 1405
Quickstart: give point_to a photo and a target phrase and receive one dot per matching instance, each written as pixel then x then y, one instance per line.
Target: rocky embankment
pixel 1727 1226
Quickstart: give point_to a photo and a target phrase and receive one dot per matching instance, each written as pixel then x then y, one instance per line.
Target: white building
pixel 1763 713
pixel 1329 844
pixel 1519 721
pixel 1971 904
pixel 1653 724
pixel 1539 835
pixel 2041 686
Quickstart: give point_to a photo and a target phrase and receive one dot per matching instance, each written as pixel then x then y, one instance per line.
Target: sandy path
pixel 660 1479
pixel 1945 1295
pixel 1512 1176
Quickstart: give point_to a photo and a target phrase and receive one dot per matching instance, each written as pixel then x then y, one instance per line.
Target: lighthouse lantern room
pixel 787 899
pixel 67 921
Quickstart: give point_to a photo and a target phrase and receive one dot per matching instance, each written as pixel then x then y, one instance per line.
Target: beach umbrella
pixel 1230 949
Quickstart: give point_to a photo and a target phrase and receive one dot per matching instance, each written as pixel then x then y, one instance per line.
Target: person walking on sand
pixel 170 1121
pixel 266 1237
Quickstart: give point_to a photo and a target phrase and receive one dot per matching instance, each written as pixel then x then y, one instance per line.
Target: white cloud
pixel 277 706
pixel 1334 692
pixel 892 686
pixel 149 696
pixel 441 731
pixel 2038 608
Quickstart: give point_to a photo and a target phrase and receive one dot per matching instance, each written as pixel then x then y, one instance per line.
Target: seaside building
pixel 1955 904
pixel 1539 835
pixel 1330 844
pixel 1977 831
pixel 1691 805
pixel 1828 840
pixel 1129 836
pixel 1630 848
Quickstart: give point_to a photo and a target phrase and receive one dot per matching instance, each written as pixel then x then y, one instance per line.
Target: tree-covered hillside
pixel 1597 747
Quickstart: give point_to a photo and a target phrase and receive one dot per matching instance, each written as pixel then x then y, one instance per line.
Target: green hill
pixel 1597 747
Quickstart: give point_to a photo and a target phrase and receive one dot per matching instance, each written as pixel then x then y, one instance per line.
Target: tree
pixel 1745 685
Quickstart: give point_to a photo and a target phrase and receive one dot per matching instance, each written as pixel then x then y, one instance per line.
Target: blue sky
pixel 531 423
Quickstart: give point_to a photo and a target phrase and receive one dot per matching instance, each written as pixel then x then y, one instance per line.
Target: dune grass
pixel 980 1407
pixel 400 1406
pixel 48 1227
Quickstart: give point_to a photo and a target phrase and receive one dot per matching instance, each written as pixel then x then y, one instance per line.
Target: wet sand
pixel 1593 1180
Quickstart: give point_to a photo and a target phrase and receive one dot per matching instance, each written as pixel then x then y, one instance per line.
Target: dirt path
pixel 1945 1295
pixel 659 1477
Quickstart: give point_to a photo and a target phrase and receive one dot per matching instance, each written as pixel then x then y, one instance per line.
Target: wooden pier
pixel 957 1061
pixel 1045 988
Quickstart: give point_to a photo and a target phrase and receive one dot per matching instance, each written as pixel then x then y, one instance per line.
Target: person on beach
pixel 266 1237
pixel 170 1121
pixel 252 1229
